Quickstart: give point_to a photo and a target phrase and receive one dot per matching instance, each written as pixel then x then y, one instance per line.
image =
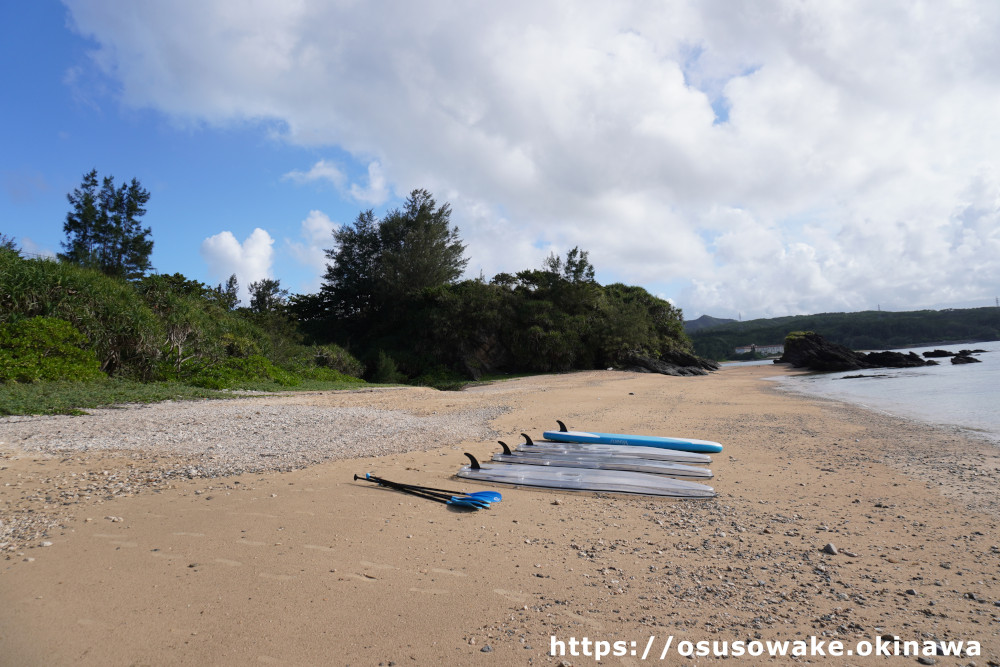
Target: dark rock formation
pixel 939 353
pixel 671 363
pixel 812 351
pixel 961 358
pixel 896 360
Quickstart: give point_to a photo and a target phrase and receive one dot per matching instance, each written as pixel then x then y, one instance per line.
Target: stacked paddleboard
pixel 609 462
pixel 680 444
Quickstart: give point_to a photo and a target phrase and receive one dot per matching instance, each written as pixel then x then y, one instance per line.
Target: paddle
pixel 488 496
pixel 455 496
pixel 472 503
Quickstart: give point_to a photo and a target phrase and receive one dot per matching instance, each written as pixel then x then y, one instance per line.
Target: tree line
pixel 392 307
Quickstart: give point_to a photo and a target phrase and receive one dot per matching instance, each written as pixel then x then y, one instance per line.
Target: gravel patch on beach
pixel 126 450
pixel 235 437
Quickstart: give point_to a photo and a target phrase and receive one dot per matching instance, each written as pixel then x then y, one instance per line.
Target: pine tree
pixel 82 222
pixel 103 228
pixel 377 263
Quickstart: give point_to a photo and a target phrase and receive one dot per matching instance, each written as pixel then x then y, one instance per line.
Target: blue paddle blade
pixel 488 496
pixel 477 501
pixel 462 502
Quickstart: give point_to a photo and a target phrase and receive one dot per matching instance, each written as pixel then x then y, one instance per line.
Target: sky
pixel 752 159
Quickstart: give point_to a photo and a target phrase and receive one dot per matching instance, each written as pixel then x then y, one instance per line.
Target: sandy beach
pixel 236 564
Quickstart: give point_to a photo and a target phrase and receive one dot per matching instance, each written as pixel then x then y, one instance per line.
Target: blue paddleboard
pixel 680 444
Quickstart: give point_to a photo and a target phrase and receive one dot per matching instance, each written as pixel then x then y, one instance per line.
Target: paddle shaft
pixel 436 497
pixel 426 489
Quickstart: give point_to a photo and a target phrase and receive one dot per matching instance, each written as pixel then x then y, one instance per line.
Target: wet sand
pixel 312 568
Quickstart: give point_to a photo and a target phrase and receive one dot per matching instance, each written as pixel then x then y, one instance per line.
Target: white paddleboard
pixel 577 479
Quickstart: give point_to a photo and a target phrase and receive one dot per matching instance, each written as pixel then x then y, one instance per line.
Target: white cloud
pixel 376 192
pixel 321 171
pixel 779 157
pixel 317 231
pixel 250 261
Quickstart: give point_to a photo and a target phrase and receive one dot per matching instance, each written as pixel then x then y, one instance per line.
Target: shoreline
pixel 310 567
pixel 934 396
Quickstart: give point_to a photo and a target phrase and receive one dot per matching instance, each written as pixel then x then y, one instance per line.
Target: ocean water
pixel 964 395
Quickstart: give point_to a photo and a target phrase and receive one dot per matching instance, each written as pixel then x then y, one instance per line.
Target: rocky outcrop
pixel 939 353
pixel 805 349
pixel 964 357
pixel 671 363
pixel 895 360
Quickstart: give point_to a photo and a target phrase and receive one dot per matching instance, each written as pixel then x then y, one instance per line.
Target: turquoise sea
pixel 966 396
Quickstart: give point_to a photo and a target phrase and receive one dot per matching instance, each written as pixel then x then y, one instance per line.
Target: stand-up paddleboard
pixel 618 451
pixel 576 479
pixel 682 444
pixel 601 463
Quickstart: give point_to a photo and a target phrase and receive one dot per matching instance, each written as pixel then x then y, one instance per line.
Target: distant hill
pixel 703 322
pixel 866 330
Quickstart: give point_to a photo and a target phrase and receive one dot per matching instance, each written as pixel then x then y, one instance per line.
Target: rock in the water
pixel 805 349
pixel 939 353
pixel 965 359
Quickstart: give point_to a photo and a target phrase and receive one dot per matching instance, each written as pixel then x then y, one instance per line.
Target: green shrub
pixel 441 378
pixel 337 358
pixel 196 326
pixel 120 327
pixel 327 375
pixel 43 348
pixel 386 371
pixel 234 372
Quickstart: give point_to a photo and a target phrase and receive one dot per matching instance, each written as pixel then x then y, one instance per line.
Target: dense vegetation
pixel 63 322
pixel 391 295
pixel 868 330
pixel 391 309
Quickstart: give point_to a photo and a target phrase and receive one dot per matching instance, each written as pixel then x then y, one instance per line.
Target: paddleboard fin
pixel 475 463
pixel 562 427
pixel 506 449
pixel 527 440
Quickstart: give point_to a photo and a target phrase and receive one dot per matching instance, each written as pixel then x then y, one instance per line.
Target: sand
pixel 309 567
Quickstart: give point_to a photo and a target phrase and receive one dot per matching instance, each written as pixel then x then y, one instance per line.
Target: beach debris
pixel 830 549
